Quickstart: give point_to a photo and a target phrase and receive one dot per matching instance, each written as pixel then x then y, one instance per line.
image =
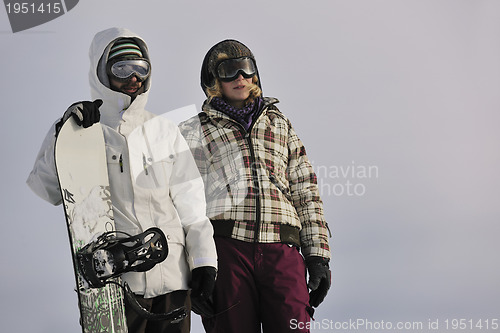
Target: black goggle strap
pixel 231 68
pixel 124 69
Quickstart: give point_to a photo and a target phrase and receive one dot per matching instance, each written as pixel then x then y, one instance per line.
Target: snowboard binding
pixel 110 256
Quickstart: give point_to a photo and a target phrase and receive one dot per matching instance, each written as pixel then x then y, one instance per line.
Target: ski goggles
pixel 124 69
pixel 229 70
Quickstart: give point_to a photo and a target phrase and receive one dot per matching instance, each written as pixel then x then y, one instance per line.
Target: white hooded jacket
pixel 153 178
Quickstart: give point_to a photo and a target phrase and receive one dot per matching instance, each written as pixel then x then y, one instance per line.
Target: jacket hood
pixel 114 102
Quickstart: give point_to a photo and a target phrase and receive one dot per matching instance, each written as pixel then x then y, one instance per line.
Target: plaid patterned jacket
pixel 260 186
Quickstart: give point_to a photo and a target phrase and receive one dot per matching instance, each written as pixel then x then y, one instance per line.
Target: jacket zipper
pixel 144 159
pixel 144 164
pixel 254 173
pixel 256 184
pixel 120 161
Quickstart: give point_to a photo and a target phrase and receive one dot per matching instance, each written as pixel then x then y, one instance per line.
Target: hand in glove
pixel 85 113
pixel 202 287
pixel 320 279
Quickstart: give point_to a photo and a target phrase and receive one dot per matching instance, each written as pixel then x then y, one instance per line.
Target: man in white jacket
pixel 153 179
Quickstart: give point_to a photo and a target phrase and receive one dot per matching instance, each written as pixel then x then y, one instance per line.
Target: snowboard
pixel 80 158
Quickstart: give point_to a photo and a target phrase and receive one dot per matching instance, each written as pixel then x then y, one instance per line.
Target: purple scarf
pixel 244 115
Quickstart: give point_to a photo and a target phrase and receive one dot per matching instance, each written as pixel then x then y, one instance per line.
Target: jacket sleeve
pixel 188 195
pixel 43 178
pixel 306 199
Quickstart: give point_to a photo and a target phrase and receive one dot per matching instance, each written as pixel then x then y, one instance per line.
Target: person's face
pixel 236 91
pixel 129 87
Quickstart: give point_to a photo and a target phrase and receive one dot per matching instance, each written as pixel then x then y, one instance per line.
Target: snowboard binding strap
pixel 109 256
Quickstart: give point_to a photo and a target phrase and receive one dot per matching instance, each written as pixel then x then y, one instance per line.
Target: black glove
pixel 85 113
pixel 320 279
pixel 202 288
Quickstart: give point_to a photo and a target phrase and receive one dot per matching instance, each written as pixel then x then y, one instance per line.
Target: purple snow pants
pixel 259 284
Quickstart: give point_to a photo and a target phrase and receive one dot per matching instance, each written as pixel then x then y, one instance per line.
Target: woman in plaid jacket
pixel 262 199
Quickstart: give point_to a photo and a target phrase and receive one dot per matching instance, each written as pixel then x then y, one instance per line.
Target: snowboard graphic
pixel 80 157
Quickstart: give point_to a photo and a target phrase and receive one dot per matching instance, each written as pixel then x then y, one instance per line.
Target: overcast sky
pixel 396 101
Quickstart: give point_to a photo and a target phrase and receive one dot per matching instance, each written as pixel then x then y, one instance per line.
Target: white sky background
pixel 410 88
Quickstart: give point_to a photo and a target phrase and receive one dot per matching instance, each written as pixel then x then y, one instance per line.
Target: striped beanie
pixel 125 47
